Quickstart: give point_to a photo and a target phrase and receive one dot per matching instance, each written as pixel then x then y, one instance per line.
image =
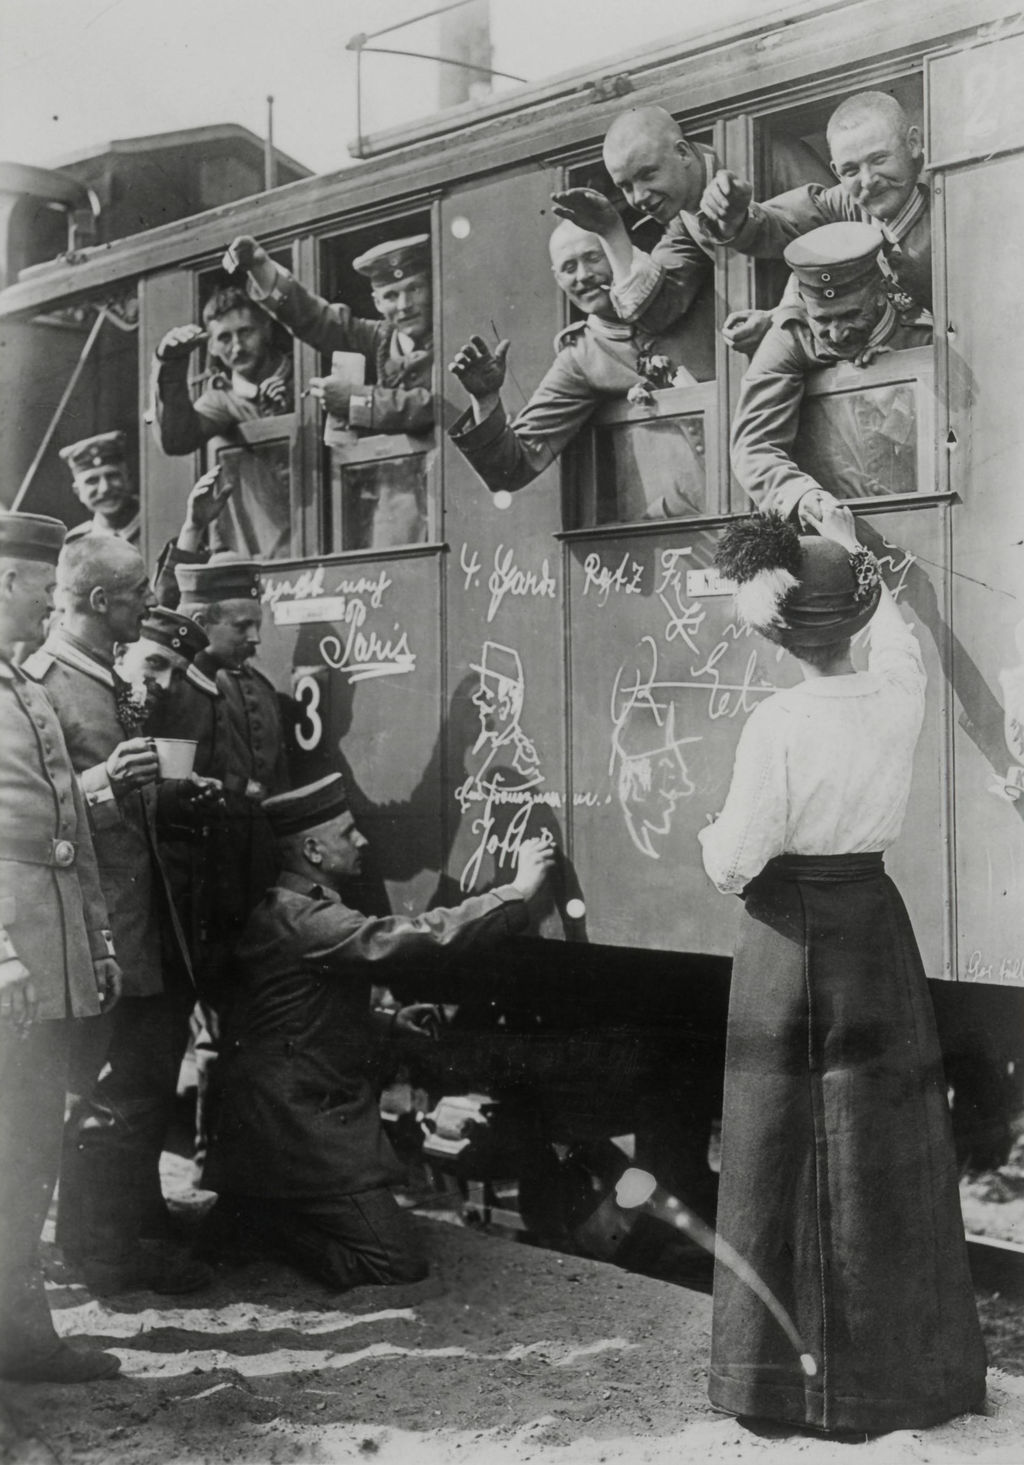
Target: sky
pixel 75 74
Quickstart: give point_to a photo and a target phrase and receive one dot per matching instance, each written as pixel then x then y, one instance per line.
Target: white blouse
pixel 824 768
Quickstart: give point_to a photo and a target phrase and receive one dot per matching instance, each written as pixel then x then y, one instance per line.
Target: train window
pixel 378 429
pixel 258 468
pixel 254 450
pixel 89 351
pixel 792 151
pixel 650 459
pixel 866 431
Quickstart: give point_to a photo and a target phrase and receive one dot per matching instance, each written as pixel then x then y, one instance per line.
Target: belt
pixel 827 869
pixel 26 851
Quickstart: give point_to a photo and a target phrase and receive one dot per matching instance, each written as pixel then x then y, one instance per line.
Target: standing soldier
pixel 223 598
pixel 56 956
pixel 129 1084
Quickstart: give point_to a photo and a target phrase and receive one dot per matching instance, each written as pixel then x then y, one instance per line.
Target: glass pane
pixel 651 470
pixel 860 444
pixel 257 518
pixel 380 504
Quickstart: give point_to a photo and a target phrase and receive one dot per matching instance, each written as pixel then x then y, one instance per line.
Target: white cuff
pixel 631 294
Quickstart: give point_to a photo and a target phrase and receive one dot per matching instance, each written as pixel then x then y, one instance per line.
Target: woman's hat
pixel 797 590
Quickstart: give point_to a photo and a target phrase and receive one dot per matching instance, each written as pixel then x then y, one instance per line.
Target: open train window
pixel 653 459
pixel 792 151
pixel 868 431
pixel 380 451
pixel 255 453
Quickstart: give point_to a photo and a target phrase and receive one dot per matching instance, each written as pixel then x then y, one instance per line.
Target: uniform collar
pixel 202 681
pixel 883 330
pixel 611 330
pixel 898 228
pixel 75 653
pixel 8 671
pixel 302 885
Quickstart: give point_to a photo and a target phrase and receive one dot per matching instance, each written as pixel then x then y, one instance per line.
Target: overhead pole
pixel 269 156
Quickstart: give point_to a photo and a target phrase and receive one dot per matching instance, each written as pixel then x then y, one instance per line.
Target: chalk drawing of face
pixel 499 703
pixel 650 775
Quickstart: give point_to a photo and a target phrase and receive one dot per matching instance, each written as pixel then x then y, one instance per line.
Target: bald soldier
pixel 596 361
pixel 662 174
pixel 56 956
pixel 129 1073
pixel 877 155
pixel 843 314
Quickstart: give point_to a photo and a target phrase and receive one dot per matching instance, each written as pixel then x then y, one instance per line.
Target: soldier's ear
pixel 312 850
pixel 98 600
pixel 915 142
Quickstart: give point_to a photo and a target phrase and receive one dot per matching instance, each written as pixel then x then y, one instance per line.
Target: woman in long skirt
pixel 838 1177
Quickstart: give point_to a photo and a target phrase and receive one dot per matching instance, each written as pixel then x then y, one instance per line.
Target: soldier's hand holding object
pixel 481 371
pixel 18 1002
pixel 744 330
pixel 334 394
pixel 202 793
pixel 587 209
pixel 242 253
pixel 536 858
pixel 725 202
pixel 132 764
pixel 180 342
pixel 109 981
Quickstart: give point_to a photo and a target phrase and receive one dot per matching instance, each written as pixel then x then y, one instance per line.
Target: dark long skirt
pixel 838 1174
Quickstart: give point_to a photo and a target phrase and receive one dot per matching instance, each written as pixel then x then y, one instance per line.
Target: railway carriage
pixel 483 670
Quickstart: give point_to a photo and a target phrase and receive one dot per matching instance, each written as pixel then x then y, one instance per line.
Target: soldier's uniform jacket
pixel 142 917
pixel 772 225
pixel 676 279
pixel 767 417
pixel 53 916
pixel 132 531
pixel 183 426
pixel 399 396
pixel 298 1115
pixel 252 760
pixel 596 362
pixel 193 855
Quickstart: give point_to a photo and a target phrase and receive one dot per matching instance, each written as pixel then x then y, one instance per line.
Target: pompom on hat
pixel 797 590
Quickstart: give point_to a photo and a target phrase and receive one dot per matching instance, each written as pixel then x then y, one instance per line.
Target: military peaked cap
pixel 101 451
pixel 31 537
pixel 177 632
pixel 835 258
pixel 307 807
pixel 395 260
pixel 222 578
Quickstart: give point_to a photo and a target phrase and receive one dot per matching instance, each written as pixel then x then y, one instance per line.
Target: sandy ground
pixel 507 1353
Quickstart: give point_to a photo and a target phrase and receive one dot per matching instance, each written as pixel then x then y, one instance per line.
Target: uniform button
pixel 63 853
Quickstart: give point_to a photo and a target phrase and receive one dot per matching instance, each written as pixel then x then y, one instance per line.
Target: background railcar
pixel 481 673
